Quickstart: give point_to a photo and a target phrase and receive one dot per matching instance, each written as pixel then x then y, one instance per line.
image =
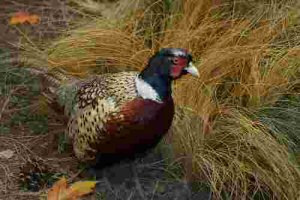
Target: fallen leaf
pixel 82 187
pixel 23 17
pixel 57 190
pixel 60 191
pixel 7 154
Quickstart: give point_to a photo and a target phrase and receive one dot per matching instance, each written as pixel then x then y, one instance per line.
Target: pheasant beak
pixel 191 69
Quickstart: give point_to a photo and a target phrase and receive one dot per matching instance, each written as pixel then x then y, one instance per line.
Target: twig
pixel 7 100
pixel 131 195
pixel 4 106
pixel 107 184
pixel 154 189
pixel 137 182
pixel 75 175
pixel 27 193
pixel 6 175
pixel 19 143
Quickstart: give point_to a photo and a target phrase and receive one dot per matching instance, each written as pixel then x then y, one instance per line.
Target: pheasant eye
pixel 175 61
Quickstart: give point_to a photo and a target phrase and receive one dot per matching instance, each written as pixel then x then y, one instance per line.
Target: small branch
pixel 7 101
pixel 4 106
pixel 27 193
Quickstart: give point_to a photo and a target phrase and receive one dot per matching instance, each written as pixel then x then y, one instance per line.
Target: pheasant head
pixel 168 64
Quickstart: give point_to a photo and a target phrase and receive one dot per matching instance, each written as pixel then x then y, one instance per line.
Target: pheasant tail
pixel 58 88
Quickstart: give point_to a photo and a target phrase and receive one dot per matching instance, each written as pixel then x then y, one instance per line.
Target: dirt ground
pixel 40 152
pixel 55 16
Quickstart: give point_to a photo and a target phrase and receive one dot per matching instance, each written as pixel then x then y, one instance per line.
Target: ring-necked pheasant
pixel 114 116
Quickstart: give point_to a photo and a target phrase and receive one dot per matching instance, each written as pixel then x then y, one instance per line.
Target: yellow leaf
pixel 57 189
pixel 81 188
pixel 33 19
pixel 23 17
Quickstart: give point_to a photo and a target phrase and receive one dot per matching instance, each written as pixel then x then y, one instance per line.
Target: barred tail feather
pixel 58 88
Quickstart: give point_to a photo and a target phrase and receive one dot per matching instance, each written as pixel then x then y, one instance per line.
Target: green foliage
pixel 37 181
pixel 173 170
pixel 38 124
pixel 62 143
pixel 168 5
pixel 66 97
pixel 199 186
pixel 21 89
pixel 261 196
pixel 4 129
pixel 283 120
pixel 100 196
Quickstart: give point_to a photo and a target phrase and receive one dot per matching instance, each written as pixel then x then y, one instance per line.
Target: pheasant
pixel 118 115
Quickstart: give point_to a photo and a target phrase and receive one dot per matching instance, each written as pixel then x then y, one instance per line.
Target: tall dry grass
pixel 243 66
pixel 239 157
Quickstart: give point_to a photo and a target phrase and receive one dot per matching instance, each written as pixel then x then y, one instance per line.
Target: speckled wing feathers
pixel 120 86
pixel 97 100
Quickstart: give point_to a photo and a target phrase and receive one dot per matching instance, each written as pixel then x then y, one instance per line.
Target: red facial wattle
pixel 179 65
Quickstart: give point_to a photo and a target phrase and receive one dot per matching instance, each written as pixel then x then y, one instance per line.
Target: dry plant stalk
pixel 240 157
